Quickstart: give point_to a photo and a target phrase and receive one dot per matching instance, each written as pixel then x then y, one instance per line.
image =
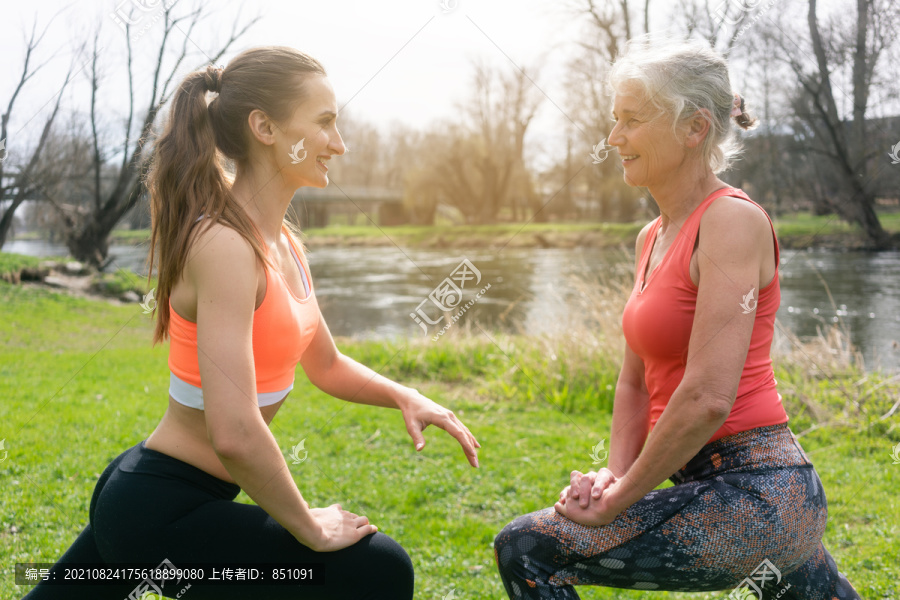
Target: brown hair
pixel 186 177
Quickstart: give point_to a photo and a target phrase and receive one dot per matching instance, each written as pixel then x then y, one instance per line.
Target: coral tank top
pixel 283 327
pixel 659 315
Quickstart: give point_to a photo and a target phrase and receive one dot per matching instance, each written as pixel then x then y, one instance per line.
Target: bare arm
pixel 342 377
pixel 631 415
pixel 223 271
pixel 631 407
pixel 630 421
pixel 729 260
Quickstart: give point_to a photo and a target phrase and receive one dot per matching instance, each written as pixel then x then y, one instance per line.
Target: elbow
pixel 715 408
pixel 321 375
pixel 229 443
pixel 225 447
pixel 709 399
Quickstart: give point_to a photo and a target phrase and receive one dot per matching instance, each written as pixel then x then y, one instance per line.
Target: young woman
pixel 696 400
pixel 238 304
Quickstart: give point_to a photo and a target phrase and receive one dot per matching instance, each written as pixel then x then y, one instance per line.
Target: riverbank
pixel 794 232
pixel 73 278
pixel 537 405
pixel 369 293
pixel 798 231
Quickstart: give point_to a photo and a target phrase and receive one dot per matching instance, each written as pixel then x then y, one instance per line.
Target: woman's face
pixel 311 137
pixel 651 152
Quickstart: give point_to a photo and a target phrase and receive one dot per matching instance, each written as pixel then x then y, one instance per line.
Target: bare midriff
pixel 182 434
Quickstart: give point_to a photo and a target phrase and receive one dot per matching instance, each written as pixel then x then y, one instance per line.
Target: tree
pixel 721 26
pixel 479 167
pixel 22 185
pixel 87 232
pixel 842 139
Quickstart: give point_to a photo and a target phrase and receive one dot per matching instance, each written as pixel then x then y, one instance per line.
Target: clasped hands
pixel 590 498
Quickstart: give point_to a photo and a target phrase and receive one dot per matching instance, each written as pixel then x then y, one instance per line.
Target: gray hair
pixel 679 78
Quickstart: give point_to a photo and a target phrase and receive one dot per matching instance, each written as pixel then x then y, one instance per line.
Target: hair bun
pixel 744 119
pixel 213 78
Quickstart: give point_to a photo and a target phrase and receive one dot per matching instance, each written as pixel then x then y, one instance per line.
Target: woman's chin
pixel 319 180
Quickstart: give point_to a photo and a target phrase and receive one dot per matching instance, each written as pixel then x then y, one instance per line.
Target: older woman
pixel 696 400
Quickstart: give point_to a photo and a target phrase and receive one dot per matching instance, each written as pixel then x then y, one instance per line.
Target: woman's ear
pixel 261 127
pixel 698 128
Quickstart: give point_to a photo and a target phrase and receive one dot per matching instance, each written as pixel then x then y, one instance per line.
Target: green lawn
pixel 794 230
pixel 81 383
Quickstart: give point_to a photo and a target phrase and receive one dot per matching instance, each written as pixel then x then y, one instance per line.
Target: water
pixel 370 292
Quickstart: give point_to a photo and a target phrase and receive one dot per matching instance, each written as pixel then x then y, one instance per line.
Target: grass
pixel 802 230
pixel 12 264
pixel 798 230
pixel 81 383
pixel 120 281
pixel 112 284
pixel 808 224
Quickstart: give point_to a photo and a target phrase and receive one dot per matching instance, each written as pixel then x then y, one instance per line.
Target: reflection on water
pixel 370 292
pixel 865 296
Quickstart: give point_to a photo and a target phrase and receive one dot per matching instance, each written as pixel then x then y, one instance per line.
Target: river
pixel 371 292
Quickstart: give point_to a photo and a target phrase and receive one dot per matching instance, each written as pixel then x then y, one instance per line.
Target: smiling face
pixel 304 144
pixel 651 152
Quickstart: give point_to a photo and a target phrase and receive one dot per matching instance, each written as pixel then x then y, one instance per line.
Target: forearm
pixel 257 465
pixel 349 380
pixel 630 423
pixel 686 425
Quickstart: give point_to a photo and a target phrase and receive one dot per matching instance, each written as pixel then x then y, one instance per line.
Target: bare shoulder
pixel 642 238
pixel 731 222
pixel 220 252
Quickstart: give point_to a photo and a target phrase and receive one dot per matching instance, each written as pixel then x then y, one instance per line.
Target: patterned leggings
pixel 747 511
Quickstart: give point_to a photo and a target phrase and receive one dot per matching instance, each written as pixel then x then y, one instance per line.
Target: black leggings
pixel 148 507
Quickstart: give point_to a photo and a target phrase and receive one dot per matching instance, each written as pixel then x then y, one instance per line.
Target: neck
pixel 265 197
pixel 681 192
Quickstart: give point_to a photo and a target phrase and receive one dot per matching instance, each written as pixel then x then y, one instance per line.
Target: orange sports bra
pixel 659 316
pixel 283 327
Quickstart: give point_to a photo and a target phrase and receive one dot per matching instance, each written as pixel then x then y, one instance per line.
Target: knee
pixel 389 562
pixel 511 545
pixel 501 544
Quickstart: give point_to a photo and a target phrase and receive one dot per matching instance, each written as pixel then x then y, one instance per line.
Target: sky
pixel 406 61
pixel 398 60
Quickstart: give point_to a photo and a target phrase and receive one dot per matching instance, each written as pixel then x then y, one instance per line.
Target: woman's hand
pixel 419 412
pixel 589 499
pixel 338 529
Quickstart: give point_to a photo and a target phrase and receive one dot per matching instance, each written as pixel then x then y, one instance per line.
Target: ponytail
pixel 186 179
